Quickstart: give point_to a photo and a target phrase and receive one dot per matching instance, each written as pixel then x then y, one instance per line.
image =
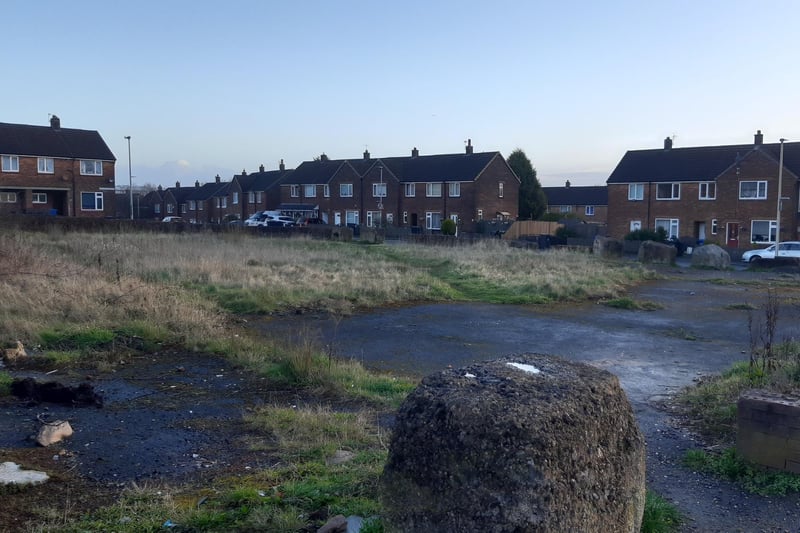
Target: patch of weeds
pixel 659 516
pixel 631 304
pixel 63 357
pixel 741 307
pixel 76 339
pixel 682 333
pixel 729 464
pixel 5 383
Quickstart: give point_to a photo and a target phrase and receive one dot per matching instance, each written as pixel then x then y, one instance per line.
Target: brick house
pixel 589 204
pixel 55 170
pixel 260 190
pixel 721 194
pixel 412 191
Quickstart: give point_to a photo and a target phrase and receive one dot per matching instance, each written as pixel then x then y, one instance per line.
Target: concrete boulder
pixel 711 256
pixel 605 247
pixel 53 432
pixel 657 252
pixel 528 443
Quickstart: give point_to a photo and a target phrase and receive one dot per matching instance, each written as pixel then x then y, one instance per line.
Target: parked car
pixel 256 219
pixel 788 249
pixel 279 220
pixel 172 219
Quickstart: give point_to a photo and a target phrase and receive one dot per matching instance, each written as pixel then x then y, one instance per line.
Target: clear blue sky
pixel 216 87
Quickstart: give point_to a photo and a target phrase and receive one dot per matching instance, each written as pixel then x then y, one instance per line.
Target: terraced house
pixel 55 170
pixel 730 195
pixel 412 191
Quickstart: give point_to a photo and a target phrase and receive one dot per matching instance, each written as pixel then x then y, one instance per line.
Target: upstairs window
pixel 636 191
pixel 258 196
pixel 310 191
pixel 379 190
pixel 752 190
pixel 91 167
pixel 294 191
pixel 346 190
pixel 46 165
pixel 235 198
pixel 500 189
pixel 589 211
pixel 10 163
pixel 454 190
pixel 157 209
pixel 326 191
pixel 192 205
pixel 668 191
pixel 433 190
pixel 224 202
pixel 251 197
pixel 410 190
pixel 708 190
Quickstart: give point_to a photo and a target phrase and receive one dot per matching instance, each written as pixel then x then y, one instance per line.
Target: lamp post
pixel 380 197
pixel 778 217
pixel 130 175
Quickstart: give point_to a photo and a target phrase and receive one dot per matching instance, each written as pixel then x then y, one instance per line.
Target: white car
pixel 788 249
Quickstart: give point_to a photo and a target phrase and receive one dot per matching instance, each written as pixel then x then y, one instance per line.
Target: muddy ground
pixel 176 417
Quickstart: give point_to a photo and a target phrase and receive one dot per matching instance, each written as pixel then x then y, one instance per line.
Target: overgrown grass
pixel 625 302
pixel 659 516
pixel 5 383
pixel 753 478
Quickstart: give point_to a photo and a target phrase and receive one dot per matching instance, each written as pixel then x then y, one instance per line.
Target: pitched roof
pixel 22 139
pixel 703 163
pixel 315 172
pixel 261 181
pixel 595 195
pixel 441 167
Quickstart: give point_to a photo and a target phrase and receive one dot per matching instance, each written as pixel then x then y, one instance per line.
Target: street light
pixel 380 197
pixel 130 175
pixel 778 217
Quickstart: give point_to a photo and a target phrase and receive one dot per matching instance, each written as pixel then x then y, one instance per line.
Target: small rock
pixel 15 352
pixel 337 524
pixel 52 432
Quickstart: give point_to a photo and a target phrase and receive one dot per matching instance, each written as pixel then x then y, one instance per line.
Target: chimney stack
pixel 261 167
pixel 567 184
pixel 414 152
pixel 55 122
pixel 668 143
pixel 469 146
pixel 177 184
pixel 282 167
pixel 197 184
pixel 217 178
pixel 244 173
pixel 366 155
pixel 160 189
pixel 758 138
pixel 323 157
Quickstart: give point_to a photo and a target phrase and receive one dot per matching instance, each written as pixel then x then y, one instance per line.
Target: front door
pixel 337 219
pixel 733 234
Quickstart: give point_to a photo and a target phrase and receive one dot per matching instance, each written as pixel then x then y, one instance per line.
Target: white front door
pixel 337 218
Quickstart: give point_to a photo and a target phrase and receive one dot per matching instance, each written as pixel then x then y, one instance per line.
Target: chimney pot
pixel 261 168
pixel 323 157
pixel 668 143
pixel 758 138
pixel 366 155
pixel 197 183
pixel 217 178
pixel 469 146
pixel 414 152
pixel 567 184
pixel 177 184
pixel 282 167
pixel 55 122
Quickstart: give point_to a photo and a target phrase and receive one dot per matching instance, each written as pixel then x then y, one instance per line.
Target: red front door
pixel 733 234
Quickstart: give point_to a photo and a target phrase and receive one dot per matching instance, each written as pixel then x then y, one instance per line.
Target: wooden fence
pixel 522 228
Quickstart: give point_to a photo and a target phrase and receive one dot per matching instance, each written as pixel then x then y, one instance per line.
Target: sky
pixel 205 88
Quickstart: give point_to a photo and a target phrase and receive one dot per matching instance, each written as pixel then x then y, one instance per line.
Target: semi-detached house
pixel 723 194
pixel 55 170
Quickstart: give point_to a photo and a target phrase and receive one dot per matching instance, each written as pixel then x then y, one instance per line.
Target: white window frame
pixel 480 214
pixel 8 197
pixel 251 197
pixel 294 191
pixel 346 191
pixel 157 209
pixel 38 197
pixel 98 201
pixel 183 209
pixel 349 216
pixel 714 226
pixel 588 210
pixel 259 195
pixel 635 225
pixel 326 191
pixel 635 192
pixel 91 167
pixel 45 165
pixel 707 190
pixel 235 198
pixel 405 217
pixel 224 202
pixel 671 225
pixel 10 163
pixel 772 231
pixel 430 221
pixel 192 205
pixel 373 218
pixel 759 195
pixel 565 209
pixel 674 191
pixel 309 191
pixel 379 190
pixel 501 189
pixel 433 190
pixel 410 190
pixel 200 205
pixel 170 208
pixel 454 189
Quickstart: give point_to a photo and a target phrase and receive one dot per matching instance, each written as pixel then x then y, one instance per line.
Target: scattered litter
pixel 468 375
pixel 169 524
pixel 525 368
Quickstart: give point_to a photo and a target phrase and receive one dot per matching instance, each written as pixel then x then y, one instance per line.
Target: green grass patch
pixel 5 383
pixel 631 304
pixel 750 476
pixel 76 339
pixel 742 307
pixel 659 516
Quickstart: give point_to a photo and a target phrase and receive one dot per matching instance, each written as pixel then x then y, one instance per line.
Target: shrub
pixel 659 235
pixel 448 227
